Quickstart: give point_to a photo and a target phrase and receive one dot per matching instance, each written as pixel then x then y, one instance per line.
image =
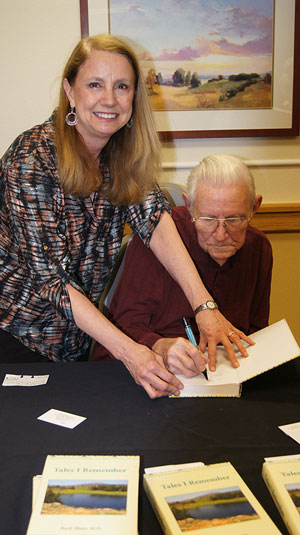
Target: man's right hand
pixel 180 356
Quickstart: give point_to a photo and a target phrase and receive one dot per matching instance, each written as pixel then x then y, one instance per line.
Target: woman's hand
pixel 148 370
pixel 180 356
pixel 146 367
pixel 215 329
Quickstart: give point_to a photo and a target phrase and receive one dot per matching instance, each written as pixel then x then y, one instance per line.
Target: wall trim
pixel 251 163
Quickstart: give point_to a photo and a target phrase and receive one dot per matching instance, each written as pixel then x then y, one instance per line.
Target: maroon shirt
pixel 148 304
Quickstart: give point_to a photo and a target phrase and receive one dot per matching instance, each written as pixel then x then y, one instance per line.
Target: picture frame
pixel 279 121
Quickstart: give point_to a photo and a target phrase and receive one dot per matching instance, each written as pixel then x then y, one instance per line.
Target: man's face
pixel 221 202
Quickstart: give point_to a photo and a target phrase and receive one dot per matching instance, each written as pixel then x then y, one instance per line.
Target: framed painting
pixel 223 68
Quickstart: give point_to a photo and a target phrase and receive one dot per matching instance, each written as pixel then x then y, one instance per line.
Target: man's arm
pixel 137 296
pixel 141 307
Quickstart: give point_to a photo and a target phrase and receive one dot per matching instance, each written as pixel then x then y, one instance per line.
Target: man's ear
pixel 186 201
pixel 257 203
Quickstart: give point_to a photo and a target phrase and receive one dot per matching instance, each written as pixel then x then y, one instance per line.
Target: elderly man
pixel 233 258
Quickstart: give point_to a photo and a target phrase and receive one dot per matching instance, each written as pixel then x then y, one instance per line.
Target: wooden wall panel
pixel 278 218
pixel 272 218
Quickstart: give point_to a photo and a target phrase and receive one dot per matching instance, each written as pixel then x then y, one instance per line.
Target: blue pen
pixel 191 338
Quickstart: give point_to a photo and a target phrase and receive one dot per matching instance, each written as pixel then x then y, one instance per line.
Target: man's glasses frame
pixel 232 224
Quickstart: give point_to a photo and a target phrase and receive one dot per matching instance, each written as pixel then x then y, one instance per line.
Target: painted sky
pixel 209 37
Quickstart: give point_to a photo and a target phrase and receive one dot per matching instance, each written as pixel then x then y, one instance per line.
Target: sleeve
pixel 37 229
pixel 144 217
pixel 260 309
pixel 136 299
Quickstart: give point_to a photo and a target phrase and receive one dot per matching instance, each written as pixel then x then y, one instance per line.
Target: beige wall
pixel 285 294
pixel 36 36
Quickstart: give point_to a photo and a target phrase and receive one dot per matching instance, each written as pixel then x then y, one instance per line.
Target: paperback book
pixel 283 481
pixel 81 494
pixel 205 500
pixel 274 346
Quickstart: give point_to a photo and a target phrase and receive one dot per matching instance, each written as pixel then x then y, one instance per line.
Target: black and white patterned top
pixel 49 239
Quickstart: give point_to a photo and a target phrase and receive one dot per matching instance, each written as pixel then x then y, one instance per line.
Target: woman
pixel 68 186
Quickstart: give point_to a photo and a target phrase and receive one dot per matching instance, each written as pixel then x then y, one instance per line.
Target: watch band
pixel 210 305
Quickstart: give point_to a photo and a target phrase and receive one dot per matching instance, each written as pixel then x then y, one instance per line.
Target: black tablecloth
pixel 121 419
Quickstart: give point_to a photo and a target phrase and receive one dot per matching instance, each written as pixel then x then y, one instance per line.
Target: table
pixel 121 419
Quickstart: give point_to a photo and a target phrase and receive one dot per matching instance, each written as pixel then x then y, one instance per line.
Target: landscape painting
pixel 212 508
pixel 199 55
pixel 294 492
pixel 82 497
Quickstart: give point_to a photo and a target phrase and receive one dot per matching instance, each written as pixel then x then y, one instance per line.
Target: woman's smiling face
pixel 102 94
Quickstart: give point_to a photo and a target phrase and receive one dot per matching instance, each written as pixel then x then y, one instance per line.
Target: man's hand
pixel 180 356
pixel 148 370
pixel 215 329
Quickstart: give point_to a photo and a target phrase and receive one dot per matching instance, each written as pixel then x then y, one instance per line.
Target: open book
pixel 274 345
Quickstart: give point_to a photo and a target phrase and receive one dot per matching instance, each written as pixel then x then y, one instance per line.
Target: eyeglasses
pixel 232 224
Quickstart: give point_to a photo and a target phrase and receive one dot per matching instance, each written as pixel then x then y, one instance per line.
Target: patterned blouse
pixel 49 239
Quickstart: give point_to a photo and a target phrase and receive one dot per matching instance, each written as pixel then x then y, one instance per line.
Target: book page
pixel 225 373
pixel 274 345
pixel 223 382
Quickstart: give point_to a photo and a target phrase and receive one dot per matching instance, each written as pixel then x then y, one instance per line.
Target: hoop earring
pixel 69 120
pixel 130 123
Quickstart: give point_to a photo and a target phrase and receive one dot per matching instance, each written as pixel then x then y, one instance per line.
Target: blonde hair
pixel 220 170
pixel 132 154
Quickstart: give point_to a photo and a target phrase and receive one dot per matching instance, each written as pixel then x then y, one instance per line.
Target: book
pixel 195 500
pixel 282 478
pixel 274 345
pixel 81 494
pixel 36 481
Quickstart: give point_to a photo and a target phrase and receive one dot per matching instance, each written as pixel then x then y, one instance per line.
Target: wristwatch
pixel 208 305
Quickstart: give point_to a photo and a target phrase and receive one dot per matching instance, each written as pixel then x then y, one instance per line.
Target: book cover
pixel 274 346
pixel 82 494
pixel 196 500
pixel 283 481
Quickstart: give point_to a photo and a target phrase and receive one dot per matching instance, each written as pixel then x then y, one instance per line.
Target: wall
pixel 36 37
pixel 285 294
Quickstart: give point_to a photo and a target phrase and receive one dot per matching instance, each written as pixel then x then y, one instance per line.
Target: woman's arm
pixel 213 327
pixel 146 367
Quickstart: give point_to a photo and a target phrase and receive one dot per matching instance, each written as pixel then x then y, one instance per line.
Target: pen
pixel 191 338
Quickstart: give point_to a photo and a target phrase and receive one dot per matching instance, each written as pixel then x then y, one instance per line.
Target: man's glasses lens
pixel 230 223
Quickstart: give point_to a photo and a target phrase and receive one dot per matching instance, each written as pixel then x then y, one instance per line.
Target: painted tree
pixel 195 80
pixel 178 77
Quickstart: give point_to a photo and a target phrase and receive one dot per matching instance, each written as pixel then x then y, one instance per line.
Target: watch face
pixel 210 304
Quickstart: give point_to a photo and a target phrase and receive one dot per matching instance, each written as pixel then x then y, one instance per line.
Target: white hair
pixel 220 170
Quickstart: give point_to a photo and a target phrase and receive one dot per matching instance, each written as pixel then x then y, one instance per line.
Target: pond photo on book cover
pixel 211 508
pixel 294 492
pixel 84 497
